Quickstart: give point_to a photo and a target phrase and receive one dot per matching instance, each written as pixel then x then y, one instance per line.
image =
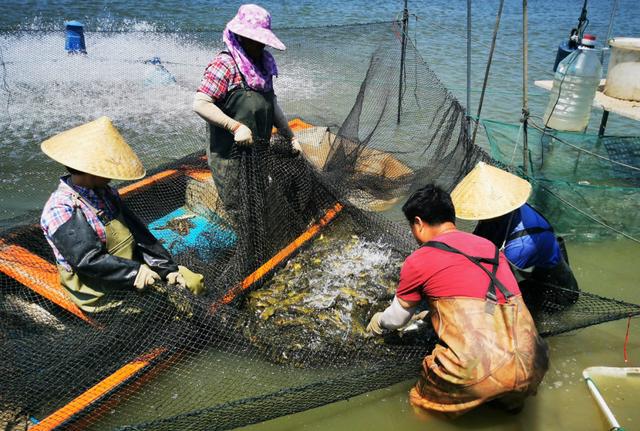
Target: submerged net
pixel 294 268
pixel 588 184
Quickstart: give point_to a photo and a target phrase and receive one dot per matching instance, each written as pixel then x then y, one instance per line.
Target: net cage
pixel 588 184
pixel 294 267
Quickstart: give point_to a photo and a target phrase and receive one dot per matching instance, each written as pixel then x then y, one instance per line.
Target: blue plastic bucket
pixel 563 50
pixel 74 41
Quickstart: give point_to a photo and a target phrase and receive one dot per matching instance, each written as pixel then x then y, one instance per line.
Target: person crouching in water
pixel 489 348
pixel 101 248
pixel 497 199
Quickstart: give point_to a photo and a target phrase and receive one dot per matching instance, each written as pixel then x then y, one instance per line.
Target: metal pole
pixel 487 69
pixel 405 28
pixel 614 6
pixel 468 68
pixel 603 123
pixel 525 89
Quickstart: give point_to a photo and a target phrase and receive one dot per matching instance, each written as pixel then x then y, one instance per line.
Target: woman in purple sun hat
pixel 236 95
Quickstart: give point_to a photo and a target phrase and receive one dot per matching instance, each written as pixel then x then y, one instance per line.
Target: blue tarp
pixel 183 231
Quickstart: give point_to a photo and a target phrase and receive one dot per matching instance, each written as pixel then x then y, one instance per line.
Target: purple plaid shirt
pixel 59 209
pixel 221 77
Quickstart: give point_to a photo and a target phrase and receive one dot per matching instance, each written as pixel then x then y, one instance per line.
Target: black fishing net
pixel 294 267
pixel 588 184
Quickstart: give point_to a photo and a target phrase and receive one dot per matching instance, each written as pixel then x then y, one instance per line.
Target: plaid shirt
pixel 221 77
pixel 59 209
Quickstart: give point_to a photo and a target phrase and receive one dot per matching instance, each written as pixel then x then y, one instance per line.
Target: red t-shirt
pixel 429 272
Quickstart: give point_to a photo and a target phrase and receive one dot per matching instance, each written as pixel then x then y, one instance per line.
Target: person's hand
pixel 176 278
pixel 374 327
pixel 242 135
pixel 295 145
pixel 417 320
pixel 420 316
pixel 146 277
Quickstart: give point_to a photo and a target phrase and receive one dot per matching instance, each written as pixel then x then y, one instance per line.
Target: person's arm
pixel 398 313
pixel 152 252
pixel 79 244
pixel 214 88
pixel 280 120
pixel 204 106
pixel 403 306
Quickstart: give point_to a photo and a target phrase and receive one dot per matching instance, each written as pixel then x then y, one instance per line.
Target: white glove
pixel 417 320
pixel 146 277
pixel 375 327
pixel 205 107
pixel 176 278
pixel 242 135
pixel 295 144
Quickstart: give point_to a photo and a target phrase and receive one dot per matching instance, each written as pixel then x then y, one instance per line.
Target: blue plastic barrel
pixel 74 42
pixel 563 50
pixel 158 76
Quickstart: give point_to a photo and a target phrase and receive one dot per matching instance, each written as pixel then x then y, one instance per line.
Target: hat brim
pixel 488 192
pixel 261 35
pixel 95 148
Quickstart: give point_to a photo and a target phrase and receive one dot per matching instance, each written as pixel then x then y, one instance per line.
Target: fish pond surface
pixel 563 400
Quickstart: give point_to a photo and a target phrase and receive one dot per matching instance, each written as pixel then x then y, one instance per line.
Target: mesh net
pixel 587 183
pixel 294 268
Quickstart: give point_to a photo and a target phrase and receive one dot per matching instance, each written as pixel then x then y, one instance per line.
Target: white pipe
pixel 610 372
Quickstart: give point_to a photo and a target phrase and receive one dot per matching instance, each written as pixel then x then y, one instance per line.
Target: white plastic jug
pixel 574 87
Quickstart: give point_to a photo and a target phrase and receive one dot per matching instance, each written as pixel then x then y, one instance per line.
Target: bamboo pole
pixel 405 28
pixel 605 43
pixel 468 125
pixel 487 69
pixel 525 90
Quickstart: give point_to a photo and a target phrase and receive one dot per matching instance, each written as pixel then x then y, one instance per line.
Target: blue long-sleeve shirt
pixel 527 236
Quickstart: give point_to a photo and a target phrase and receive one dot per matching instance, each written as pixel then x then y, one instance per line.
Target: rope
pixel 626 340
pixel 5 87
pixel 515 148
pixel 478 42
pixel 591 153
pixel 99 59
pixel 589 216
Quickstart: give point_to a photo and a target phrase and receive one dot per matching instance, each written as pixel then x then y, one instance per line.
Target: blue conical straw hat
pixel 488 192
pixel 96 148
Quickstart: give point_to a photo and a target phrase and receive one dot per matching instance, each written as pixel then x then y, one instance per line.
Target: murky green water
pixel 609 268
pixel 563 401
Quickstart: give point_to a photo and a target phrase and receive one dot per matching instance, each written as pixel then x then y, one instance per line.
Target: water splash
pixel 45 91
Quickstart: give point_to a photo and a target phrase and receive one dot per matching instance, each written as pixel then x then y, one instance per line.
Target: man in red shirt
pixel 489 348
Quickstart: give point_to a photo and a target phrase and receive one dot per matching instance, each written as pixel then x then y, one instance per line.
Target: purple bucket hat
pixel 254 22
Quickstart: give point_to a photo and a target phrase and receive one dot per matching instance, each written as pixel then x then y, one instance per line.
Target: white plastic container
pixel 574 87
pixel 623 78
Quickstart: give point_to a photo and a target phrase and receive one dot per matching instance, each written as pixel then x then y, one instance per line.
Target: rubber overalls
pixel 255 110
pixel 120 242
pixel 486 351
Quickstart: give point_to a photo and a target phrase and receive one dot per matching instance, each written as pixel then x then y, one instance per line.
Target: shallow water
pixel 27 177
pixel 43 91
pixel 563 400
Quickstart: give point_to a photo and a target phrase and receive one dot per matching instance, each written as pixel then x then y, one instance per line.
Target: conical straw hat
pixel 487 192
pixel 96 148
